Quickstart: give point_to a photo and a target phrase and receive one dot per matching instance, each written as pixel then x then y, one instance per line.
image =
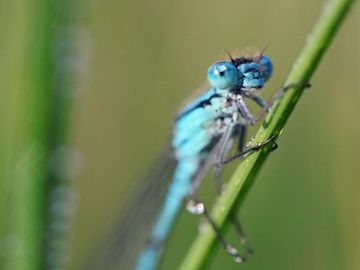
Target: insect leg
pixel 197 207
pixel 224 147
pixel 213 157
pixel 220 155
pixel 246 151
pixel 275 97
pixel 218 185
pixel 200 209
pixel 225 142
pixel 242 138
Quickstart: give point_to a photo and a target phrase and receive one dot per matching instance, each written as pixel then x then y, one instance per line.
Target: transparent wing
pixel 131 230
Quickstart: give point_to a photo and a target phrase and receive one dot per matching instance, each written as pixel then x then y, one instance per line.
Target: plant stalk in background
pixel 36 221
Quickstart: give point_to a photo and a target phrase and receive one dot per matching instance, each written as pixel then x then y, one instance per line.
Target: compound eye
pixel 222 75
pixel 252 76
pixel 250 70
pixel 267 67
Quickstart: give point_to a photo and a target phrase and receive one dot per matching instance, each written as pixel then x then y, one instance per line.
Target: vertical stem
pixel 35 219
pixel 69 54
pixel 26 200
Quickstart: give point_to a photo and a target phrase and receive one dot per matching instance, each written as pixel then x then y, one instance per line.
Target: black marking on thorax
pixel 201 104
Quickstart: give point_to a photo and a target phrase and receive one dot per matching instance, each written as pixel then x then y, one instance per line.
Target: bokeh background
pixel 146 57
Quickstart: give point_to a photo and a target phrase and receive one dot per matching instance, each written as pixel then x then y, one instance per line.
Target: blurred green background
pixel 146 57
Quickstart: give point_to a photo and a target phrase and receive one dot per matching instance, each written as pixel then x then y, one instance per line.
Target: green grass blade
pixel 202 249
pixel 44 41
pixel 27 115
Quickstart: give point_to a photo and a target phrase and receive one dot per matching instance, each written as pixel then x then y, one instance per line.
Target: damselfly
pixel 204 132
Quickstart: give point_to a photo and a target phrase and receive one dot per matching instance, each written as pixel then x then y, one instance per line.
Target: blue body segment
pixel 198 130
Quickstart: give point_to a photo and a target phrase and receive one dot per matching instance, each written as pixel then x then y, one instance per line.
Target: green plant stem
pixel 69 41
pixel 43 71
pixel 25 210
pixel 318 41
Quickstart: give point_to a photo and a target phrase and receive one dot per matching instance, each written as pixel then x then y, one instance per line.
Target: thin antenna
pixel 232 59
pixel 265 47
